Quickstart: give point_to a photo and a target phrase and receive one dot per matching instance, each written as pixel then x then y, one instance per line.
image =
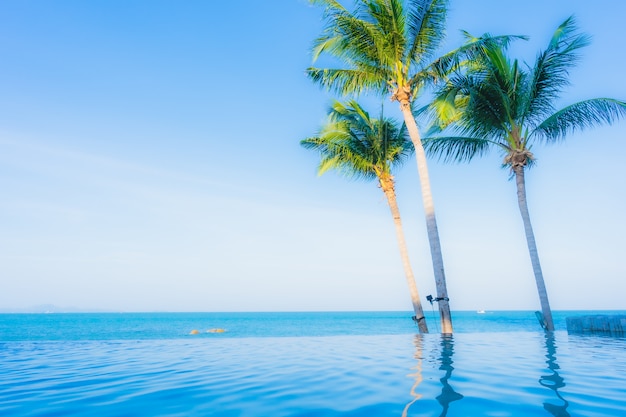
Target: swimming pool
pixel 468 374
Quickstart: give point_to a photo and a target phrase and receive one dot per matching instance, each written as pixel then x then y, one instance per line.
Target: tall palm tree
pixel 388 46
pixel 359 146
pixel 498 103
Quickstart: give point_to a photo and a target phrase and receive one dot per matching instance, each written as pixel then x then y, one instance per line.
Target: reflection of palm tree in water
pixel 418 341
pixel 553 381
pixel 447 392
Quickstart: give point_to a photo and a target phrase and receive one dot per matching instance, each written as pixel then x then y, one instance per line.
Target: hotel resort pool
pixel 516 373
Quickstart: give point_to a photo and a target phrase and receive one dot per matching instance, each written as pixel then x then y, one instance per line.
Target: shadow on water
pixel 448 395
pixel 553 381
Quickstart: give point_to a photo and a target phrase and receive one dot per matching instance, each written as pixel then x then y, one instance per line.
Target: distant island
pixel 50 308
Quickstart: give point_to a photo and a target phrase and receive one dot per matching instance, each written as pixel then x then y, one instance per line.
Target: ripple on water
pixel 495 374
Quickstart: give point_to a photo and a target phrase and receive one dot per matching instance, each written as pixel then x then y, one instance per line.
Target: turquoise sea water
pixel 304 364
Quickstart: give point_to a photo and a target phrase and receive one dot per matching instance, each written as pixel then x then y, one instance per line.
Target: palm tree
pixel 362 147
pixel 387 46
pixel 497 103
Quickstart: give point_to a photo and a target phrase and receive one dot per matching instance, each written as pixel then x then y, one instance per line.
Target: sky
pixel 150 161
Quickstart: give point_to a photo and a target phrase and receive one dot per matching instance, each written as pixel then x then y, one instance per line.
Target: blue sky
pixel 150 161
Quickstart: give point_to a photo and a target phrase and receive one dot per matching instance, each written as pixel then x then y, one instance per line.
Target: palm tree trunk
pixel 388 188
pixel 431 221
pixel 532 248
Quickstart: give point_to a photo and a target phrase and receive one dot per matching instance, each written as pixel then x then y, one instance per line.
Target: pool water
pixel 519 373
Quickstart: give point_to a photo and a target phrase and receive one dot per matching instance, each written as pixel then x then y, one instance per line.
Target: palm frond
pixel 330 163
pixel 445 108
pixel 357 145
pixel 485 112
pixel 387 39
pixel 470 52
pixel 579 116
pixel 421 110
pixel 347 81
pixel 391 17
pixel 332 10
pixel 551 69
pixel 346 36
pixel 455 148
pixel 425 28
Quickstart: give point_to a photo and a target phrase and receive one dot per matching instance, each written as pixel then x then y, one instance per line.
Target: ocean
pixel 305 364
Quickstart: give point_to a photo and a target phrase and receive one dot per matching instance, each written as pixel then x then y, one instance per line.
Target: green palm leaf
pixel 495 102
pixel 425 28
pixel 357 145
pixel 551 69
pixel 579 116
pixel 466 56
pixel 384 46
pixel 456 148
